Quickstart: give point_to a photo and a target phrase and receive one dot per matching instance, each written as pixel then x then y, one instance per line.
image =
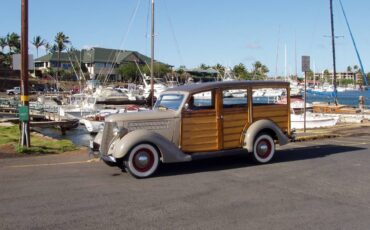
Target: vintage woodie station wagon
pixel 198 121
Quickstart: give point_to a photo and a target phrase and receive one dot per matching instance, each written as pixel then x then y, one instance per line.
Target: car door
pixel 200 123
pixel 234 117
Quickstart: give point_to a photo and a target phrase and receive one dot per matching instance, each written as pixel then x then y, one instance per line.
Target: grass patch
pixel 39 144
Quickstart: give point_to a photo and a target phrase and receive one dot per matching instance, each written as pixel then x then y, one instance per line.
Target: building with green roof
pixel 99 62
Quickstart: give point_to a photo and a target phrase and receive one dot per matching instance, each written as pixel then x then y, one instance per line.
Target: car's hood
pixel 143 115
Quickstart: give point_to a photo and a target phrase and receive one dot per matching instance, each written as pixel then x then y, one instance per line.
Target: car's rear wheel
pixel 263 148
pixel 10 93
pixel 142 161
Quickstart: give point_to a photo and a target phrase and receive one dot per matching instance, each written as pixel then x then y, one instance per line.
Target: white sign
pixel 17 59
pixel 306 64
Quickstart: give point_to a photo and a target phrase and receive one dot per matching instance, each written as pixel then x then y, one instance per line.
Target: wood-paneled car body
pixel 197 121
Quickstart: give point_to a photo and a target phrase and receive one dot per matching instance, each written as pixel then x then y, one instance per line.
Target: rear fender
pixel 258 126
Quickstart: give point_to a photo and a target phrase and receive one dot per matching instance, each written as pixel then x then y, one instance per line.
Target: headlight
pixel 119 131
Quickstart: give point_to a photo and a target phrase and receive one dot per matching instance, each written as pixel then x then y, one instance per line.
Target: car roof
pixel 197 87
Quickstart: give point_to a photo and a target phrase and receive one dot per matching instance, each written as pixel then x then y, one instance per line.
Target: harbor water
pixel 350 98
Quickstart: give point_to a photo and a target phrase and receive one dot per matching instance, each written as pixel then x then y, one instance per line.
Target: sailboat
pixel 333 90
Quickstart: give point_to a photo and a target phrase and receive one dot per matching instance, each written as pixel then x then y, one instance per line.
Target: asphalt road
pixel 321 184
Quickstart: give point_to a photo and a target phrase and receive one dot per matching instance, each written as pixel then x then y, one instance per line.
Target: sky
pixel 192 32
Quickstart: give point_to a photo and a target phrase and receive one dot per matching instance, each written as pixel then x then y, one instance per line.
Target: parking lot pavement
pixel 321 184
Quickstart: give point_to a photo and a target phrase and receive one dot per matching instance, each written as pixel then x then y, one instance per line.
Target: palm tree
pixel 38 42
pixel 220 69
pixel 240 71
pixel 355 68
pixel 60 44
pixel 13 42
pixel 3 43
pixel 260 70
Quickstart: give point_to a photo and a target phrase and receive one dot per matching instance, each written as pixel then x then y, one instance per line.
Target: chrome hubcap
pixel 141 159
pixel 262 148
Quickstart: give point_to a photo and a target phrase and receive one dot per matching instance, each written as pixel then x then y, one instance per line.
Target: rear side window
pixel 267 96
pixel 235 98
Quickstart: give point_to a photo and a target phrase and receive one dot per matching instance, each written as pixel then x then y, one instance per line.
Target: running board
pixel 206 155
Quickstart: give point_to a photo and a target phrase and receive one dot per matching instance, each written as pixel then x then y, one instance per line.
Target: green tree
pixel 61 40
pixel 349 69
pixel 326 75
pixel 204 66
pixel 241 71
pixel 3 43
pixel 128 71
pixel 13 42
pixel 259 71
pixel 160 69
pixel 220 69
pixel 38 42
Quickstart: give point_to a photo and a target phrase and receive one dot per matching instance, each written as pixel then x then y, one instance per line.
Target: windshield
pixel 169 101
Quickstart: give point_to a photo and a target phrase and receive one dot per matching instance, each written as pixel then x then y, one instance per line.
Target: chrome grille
pixel 107 137
pixel 148 125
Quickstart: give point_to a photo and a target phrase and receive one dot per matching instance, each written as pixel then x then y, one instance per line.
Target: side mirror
pixel 186 106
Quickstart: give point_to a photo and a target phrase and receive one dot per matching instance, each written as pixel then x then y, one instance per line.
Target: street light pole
pixel 24 109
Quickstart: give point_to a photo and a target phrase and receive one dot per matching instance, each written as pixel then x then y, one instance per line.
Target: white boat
pixel 313 120
pixel 158 87
pixel 94 122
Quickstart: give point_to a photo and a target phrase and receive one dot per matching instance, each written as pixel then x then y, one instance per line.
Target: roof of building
pixel 209 71
pixel 54 57
pixel 228 84
pixel 97 54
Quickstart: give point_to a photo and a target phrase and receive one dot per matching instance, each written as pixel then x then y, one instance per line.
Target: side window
pixel 202 100
pixel 235 98
pixel 267 96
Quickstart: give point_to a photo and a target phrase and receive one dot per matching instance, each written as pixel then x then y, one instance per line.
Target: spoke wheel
pixel 143 161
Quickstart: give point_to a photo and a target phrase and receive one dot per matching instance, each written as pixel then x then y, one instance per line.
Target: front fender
pixel 170 153
pixel 257 127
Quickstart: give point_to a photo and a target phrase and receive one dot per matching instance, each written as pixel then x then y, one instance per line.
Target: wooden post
pixel 25 124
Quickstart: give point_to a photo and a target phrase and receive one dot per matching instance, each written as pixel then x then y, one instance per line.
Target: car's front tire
pixel 142 161
pixel 263 148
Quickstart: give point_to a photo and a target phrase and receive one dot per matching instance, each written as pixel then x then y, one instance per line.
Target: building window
pixel 99 65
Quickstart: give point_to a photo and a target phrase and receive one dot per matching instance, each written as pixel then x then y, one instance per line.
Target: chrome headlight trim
pixel 119 131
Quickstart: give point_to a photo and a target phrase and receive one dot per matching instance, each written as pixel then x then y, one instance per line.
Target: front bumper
pixel 109 160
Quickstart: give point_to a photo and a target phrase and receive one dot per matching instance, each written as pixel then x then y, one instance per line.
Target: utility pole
pixel 24 108
pixel 333 48
pixel 152 59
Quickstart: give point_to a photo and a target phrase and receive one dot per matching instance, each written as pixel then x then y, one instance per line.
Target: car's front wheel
pixel 142 161
pixel 263 148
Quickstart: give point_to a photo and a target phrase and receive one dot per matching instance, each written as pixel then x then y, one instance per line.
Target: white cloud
pixel 254 45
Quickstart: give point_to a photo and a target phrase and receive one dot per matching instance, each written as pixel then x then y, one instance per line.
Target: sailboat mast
pixel 333 49
pixel 152 58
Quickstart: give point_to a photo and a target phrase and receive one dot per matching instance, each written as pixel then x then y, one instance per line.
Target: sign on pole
pixel 306 66
pixel 23 113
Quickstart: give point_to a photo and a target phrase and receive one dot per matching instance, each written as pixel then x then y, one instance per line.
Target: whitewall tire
pixel 263 148
pixel 142 161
